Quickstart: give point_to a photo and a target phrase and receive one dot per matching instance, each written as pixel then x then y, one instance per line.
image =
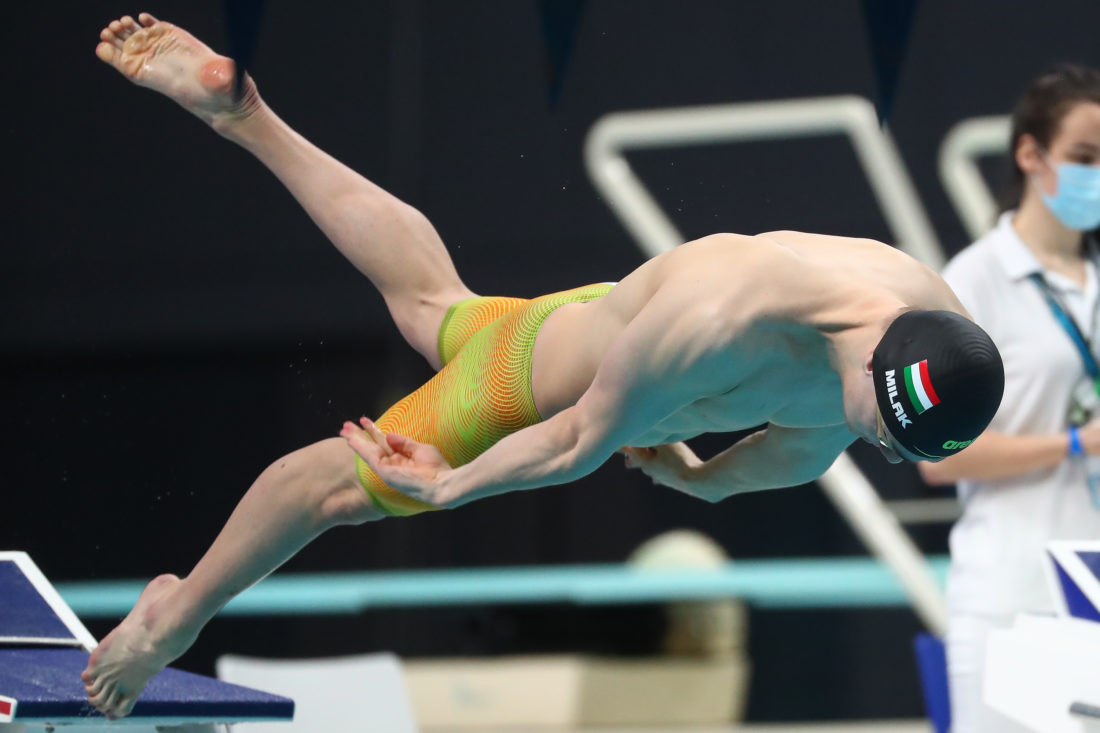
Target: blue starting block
pixel 44 648
pixel 1073 574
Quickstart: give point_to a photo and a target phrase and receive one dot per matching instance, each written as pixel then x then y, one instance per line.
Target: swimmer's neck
pixel 850 349
pixel 850 353
pixel 853 332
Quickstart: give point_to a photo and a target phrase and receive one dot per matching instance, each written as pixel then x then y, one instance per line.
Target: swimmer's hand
pixel 670 465
pixel 406 465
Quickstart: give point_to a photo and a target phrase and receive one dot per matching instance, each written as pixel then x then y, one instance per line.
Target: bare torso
pixel 773 298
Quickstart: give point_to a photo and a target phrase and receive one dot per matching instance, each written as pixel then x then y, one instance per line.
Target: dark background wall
pixel 171 322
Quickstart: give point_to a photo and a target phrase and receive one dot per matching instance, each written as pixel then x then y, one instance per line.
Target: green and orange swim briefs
pixel 483 391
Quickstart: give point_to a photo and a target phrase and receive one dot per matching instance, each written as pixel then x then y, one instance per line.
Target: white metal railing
pixel 883 535
pixel 853 117
pixel 958 167
pixel 614 134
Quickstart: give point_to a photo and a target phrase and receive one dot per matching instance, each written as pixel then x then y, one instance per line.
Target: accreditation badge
pixel 1083 402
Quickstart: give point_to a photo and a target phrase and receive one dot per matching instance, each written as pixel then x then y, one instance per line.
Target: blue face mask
pixel 1076 203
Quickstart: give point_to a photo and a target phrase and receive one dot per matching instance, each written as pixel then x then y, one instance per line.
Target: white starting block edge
pixel 203 723
pixel 1039 667
pixel 1063 554
pixel 128 725
pixel 93 724
pixel 53 598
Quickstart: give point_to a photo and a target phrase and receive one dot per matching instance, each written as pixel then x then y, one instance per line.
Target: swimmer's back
pixel 873 264
pixel 734 280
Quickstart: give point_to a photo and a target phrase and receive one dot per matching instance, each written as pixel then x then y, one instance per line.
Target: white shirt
pixel 997 545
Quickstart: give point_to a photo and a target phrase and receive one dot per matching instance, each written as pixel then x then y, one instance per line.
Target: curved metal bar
pixel 854 117
pixel 964 143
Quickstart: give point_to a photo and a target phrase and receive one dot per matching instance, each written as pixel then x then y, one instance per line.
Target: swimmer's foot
pixel 168 59
pixel 146 641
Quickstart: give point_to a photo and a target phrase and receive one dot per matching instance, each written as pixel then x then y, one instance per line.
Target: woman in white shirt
pixel 1032 284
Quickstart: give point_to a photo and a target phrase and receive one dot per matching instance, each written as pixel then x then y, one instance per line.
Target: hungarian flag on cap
pixel 919 386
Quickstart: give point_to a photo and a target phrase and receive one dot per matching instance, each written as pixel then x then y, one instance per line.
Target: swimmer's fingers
pixel 416 476
pixel 376 435
pixel 637 457
pixel 391 452
pixel 423 455
pixel 360 442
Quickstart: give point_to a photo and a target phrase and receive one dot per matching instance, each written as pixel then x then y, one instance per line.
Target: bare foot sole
pixel 168 59
pixel 139 647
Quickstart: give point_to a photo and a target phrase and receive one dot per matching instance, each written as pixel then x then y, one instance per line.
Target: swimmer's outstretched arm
pixel 667 357
pixel 772 458
pixel 572 444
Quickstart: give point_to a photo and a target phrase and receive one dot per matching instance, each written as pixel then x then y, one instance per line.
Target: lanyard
pixel 1061 314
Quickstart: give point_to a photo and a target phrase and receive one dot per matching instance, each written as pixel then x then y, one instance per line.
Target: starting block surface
pixel 44 648
pixel 1073 574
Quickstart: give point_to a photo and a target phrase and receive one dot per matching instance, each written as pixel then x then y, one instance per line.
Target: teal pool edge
pixel 773 583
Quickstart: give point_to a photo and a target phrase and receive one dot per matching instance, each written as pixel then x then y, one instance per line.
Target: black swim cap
pixel 938 381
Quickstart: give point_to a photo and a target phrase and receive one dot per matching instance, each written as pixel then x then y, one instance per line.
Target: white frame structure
pixel 81 636
pixel 1064 554
pixel 958 168
pixel 854 117
pixel 851 116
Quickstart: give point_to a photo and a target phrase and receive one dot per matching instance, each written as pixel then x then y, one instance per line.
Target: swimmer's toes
pixel 95 686
pixel 106 52
pixel 129 25
pixel 102 699
pixel 108 35
pixel 140 42
pixel 125 705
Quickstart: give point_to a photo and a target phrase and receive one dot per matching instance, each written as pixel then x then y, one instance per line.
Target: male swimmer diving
pixel 823 339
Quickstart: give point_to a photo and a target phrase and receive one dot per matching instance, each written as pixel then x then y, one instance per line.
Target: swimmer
pixel 823 340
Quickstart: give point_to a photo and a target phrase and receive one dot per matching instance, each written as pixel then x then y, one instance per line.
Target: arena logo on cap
pixel 956 444
pixel 919 386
